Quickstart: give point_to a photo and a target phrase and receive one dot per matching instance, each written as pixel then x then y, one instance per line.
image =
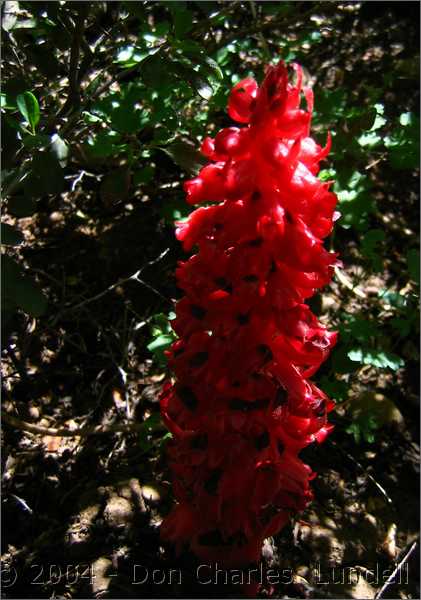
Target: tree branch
pixel 73 98
pixel 66 432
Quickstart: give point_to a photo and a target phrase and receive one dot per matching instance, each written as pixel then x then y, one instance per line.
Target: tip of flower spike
pixel 276 80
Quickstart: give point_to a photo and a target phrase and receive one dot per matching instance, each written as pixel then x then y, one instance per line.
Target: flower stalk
pixel 242 406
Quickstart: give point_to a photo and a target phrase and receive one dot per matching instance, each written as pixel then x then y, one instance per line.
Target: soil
pixel 81 515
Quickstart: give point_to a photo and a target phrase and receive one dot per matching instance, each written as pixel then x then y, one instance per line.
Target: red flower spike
pixel 242 407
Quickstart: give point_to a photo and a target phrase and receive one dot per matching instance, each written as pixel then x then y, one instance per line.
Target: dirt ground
pixel 81 514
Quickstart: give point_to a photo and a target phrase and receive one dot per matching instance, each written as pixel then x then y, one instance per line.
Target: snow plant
pixel 241 406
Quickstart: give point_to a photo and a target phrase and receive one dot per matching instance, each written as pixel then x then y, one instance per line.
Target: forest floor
pixel 81 514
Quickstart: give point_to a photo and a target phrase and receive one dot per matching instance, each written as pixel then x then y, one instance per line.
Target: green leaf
pixel 46 176
pixel 376 358
pixel 182 19
pixel 404 143
pixel 19 291
pixel 144 175
pixel 152 426
pixel 187 73
pixel 90 118
pixel 161 324
pixel 355 208
pixel 203 87
pixel 364 428
pixel 185 156
pixel 406 119
pixel 369 140
pixel 379 120
pixel 413 262
pixel 160 343
pixel 357 328
pixel 402 326
pixel 210 67
pixel 9 17
pixel 327 174
pixel 334 388
pixel 36 141
pixel 362 121
pixel 29 108
pixel 354 429
pixel 60 149
pixel 394 299
pixel 341 362
pixel 121 109
pixel 175 209
pixel 130 56
pixel 155 71
pixel 10 236
pixel 370 247
pixel 329 105
pixel 104 144
pixel 188 47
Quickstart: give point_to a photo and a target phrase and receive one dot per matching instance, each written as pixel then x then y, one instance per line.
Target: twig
pixel 22 503
pixel 73 99
pixel 359 465
pixel 390 580
pixel 78 177
pixel 134 277
pixel 66 432
pixel 345 281
pixel 375 162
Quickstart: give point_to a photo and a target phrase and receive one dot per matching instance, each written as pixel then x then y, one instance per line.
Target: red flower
pixel 242 406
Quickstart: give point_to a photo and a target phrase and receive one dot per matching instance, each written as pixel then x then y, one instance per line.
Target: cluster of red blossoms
pixel 242 406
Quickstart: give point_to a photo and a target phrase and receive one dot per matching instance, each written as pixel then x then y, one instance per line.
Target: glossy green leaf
pixel 186 156
pixel 29 108
pixel 376 358
pixel 104 144
pixel 36 141
pixel 203 87
pixel 155 71
pixel 160 343
pixel 144 175
pixel 60 149
pixel 188 74
pixel 182 19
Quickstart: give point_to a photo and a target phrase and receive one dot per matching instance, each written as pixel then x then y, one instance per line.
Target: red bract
pixel 242 408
